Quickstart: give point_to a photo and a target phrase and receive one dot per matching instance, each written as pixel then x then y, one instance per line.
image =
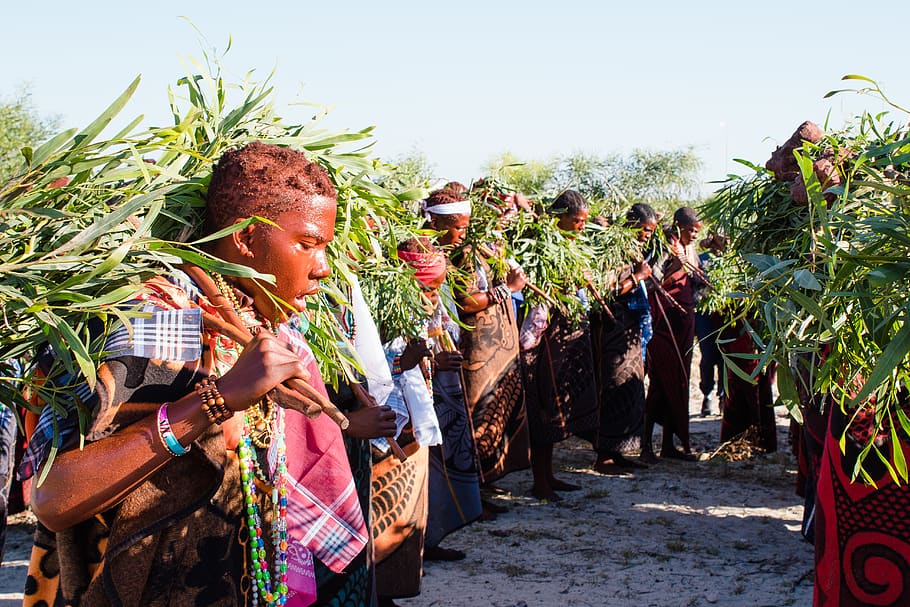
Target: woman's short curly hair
pixel 264 180
pixel 444 196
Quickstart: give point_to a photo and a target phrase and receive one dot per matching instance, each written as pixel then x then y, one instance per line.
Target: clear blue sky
pixel 464 81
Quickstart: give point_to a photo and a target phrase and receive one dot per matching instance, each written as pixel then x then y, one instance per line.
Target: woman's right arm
pixel 481 300
pixel 84 482
pixel 640 271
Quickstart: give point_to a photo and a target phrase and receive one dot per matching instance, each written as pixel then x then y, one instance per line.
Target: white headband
pixel 462 207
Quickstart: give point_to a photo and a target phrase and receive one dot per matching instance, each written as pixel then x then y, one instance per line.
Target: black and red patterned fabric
pixel 862 537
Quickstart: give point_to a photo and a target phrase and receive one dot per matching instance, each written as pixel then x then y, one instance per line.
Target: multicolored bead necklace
pixel 270 586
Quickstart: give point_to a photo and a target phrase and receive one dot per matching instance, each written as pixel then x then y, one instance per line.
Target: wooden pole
pixel 313 402
pixel 488 253
pixel 366 399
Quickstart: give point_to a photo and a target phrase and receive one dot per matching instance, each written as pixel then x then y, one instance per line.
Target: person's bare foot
pixel 620 460
pixel 609 468
pixel 493 489
pixel 442 554
pixel 486 515
pixel 490 510
pixel 545 494
pixel 558 485
pixel 493 507
pixel 677 454
pixel 648 457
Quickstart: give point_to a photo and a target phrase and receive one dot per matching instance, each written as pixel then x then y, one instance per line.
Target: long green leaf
pixel 89 133
pixel 893 355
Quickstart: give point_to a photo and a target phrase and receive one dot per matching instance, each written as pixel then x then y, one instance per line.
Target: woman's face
pixel 645 230
pixel 431 294
pixel 294 252
pixel 688 233
pixel 573 222
pixel 454 227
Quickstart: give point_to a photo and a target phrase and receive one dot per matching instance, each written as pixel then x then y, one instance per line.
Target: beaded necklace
pixel 270 586
pixel 263 431
pixel 262 417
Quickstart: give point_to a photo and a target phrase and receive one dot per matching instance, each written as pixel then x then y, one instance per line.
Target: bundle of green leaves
pixel 87 219
pixel 829 279
pixel 613 248
pixel 556 261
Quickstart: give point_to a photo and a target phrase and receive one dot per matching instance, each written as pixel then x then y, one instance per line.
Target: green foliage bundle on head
pixel 553 259
pixel 529 177
pixel 612 247
pixel 828 274
pixel 86 219
pixel 493 212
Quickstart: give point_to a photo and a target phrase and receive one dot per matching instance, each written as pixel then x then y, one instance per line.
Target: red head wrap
pixel 429 266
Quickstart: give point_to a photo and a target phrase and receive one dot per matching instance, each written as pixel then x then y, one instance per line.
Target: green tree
pixel 409 170
pixel 20 126
pixel 528 177
pixel 656 177
pixel 663 179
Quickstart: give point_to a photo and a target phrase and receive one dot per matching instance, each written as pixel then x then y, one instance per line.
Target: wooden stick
pixel 488 253
pixel 366 399
pixel 445 341
pixel 662 291
pixel 692 268
pixel 313 401
pixel 603 304
pixel 699 273
pixel 232 326
pixel 537 291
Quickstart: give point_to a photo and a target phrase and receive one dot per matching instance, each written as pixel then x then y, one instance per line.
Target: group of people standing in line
pixel 208 474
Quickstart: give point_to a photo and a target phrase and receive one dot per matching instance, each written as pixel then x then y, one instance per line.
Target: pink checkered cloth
pixel 323 509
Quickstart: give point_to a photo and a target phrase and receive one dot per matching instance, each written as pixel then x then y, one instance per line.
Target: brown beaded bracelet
pixel 212 402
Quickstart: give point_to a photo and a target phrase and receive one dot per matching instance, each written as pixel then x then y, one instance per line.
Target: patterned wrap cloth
pixel 167 352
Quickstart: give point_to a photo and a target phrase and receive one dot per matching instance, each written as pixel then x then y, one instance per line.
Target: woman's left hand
pixel 448 361
pixel 371 422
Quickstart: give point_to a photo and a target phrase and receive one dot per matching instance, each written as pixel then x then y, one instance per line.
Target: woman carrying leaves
pixel 618 357
pixel 454 487
pixel 399 503
pixel 670 350
pixel 561 394
pixel 194 485
pixel 489 344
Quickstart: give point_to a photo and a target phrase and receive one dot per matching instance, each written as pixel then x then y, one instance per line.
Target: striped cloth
pixel 161 333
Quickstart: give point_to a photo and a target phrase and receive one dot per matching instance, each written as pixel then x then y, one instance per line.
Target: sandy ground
pixel 678 534
pixel 682 534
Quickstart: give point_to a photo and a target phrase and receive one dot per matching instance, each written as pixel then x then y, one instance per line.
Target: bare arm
pixel 474 302
pixel 481 300
pixel 83 483
pixel 640 272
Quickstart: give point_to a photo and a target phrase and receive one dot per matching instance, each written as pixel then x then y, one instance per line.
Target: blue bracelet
pixel 166 435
